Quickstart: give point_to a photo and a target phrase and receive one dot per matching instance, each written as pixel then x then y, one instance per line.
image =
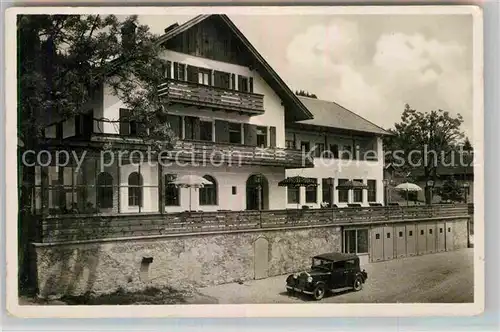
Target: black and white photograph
pixel 281 158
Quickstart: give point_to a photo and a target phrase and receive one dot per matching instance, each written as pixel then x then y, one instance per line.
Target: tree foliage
pixel 65 60
pixel 451 190
pixel 305 94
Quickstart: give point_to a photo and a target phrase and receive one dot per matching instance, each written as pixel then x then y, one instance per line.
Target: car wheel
pixel 358 284
pixel 319 292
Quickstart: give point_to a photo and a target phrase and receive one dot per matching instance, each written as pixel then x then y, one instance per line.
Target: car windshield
pixel 321 264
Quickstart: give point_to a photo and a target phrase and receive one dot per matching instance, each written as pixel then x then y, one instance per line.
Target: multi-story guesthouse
pixel 109 222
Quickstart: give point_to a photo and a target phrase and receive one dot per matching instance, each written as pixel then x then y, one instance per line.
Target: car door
pixel 339 275
pixel 350 268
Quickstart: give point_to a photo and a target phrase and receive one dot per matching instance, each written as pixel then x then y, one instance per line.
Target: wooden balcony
pixel 211 96
pixel 238 154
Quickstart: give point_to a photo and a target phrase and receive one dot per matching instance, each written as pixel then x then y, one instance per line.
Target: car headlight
pixel 309 279
pixel 295 276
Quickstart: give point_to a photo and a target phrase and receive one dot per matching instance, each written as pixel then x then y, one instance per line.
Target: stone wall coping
pixel 270 229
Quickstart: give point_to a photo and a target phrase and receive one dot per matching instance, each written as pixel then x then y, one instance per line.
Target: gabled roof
pixel 289 98
pixel 330 114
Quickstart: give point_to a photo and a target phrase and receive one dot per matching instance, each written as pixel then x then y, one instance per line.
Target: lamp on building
pixel 430 186
pixel 466 186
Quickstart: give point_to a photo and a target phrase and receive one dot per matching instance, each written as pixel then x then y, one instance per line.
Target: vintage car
pixel 328 272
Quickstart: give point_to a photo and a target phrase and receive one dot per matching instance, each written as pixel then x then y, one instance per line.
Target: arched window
pixel 208 193
pixel 135 189
pixel 172 193
pixel 104 190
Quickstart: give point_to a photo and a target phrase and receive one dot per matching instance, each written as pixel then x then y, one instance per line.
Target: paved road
pixel 435 278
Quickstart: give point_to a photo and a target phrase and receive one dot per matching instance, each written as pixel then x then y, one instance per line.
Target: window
pixel 358 193
pixel 245 84
pixel 290 144
pixel 305 147
pixel 233 190
pixel 372 190
pixel 326 190
pixel 311 194
pixel 204 76
pixel 440 230
pixel 421 232
pixel 262 137
pixel 206 131
pixel 320 147
pixel 388 235
pixel 104 190
pixel 172 193
pixel 410 233
pixel 235 133
pixel 179 71
pixel 356 241
pixel 135 189
pixel 222 79
pixel 430 231
pixel 346 152
pixel 343 193
pixel 293 194
pixel 400 234
pixel 208 193
pixel 189 127
pixel 449 229
pixel 377 236
pixel 334 149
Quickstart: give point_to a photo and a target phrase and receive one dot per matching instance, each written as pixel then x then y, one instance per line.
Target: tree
pixel 451 190
pixel 62 61
pixel 423 141
pixel 467 146
pixel 305 94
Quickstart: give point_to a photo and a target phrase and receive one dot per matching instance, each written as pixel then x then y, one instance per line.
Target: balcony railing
pixel 200 151
pixel 92 227
pixel 211 96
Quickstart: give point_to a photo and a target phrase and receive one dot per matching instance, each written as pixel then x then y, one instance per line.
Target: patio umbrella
pixel 407 187
pixel 190 181
pixel 297 182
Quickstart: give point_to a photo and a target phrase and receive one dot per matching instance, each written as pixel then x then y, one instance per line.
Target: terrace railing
pixel 94 227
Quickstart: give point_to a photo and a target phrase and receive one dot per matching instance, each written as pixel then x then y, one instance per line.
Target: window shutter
pixel 240 83
pixel 174 122
pixel 272 137
pixel 168 69
pixel 176 71
pixel 192 74
pixel 221 131
pixel 250 132
pixel 250 84
pixel 78 124
pixel 196 128
pixel 124 122
pixel 233 82
pixel 189 127
pixel 88 124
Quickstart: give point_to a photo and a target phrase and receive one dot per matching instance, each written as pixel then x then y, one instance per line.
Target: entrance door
pixel 261 253
pixel 257 192
pixel 411 240
pixel 421 239
pixel 441 237
pixel 377 241
pixel 400 239
pixel 449 236
pixel 431 238
pixel 388 243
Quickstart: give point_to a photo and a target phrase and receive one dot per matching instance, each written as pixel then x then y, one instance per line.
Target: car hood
pixel 313 273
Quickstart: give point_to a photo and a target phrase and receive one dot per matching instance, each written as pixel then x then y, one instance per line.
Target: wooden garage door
pixel 449 236
pixel 440 237
pixel 431 238
pixel 377 244
pixel 411 240
pixel 421 239
pixel 400 240
pixel 388 243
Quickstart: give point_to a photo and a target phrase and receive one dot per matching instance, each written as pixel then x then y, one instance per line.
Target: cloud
pixel 375 76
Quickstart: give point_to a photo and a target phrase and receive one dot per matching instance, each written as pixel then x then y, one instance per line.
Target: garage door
pixel 411 240
pixel 440 237
pixel 449 236
pixel 421 239
pixel 388 243
pixel 377 244
pixel 431 238
pixel 400 240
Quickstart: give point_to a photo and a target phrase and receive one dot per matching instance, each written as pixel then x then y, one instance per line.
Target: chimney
pixel 128 34
pixel 171 27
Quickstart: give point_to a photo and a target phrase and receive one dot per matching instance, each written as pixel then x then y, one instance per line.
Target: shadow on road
pixel 306 297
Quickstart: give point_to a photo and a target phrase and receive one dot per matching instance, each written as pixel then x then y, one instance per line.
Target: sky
pixel 370 64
